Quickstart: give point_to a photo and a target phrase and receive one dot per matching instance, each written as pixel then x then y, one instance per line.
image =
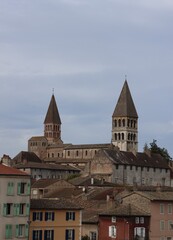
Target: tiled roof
pixel 125 106
pixel 89 146
pixel 47 166
pixel 25 156
pixel 65 192
pixel 5 170
pixel 38 138
pixel 140 159
pixel 43 183
pixel 52 115
pixel 59 204
pixel 157 196
pixel 125 210
pixel 89 181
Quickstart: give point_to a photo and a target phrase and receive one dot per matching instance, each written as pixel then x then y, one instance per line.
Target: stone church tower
pixel 125 122
pixel 52 123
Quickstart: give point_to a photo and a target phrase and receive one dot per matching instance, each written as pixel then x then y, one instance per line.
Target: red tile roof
pixel 5 170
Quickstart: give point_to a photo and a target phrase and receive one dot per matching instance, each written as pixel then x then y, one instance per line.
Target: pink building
pixel 160 206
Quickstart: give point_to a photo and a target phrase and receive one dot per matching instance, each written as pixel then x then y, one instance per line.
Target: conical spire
pixel 125 106
pixel 52 115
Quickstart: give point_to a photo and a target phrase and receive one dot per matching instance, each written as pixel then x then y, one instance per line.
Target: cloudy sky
pixel 83 49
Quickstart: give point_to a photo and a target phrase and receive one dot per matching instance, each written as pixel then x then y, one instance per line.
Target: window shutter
pixel 45 234
pixel 46 216
pixel 8 188
pixel 34 216
pixel 18 188
pixel 40 236
pixel 110 231
pixel 67 216
pixel 66 234
pixel 28 189
pixel 10 231
pixel 17 230
pixel 26 230
pixel 73 215
pixel 14 209
pixel 27 209
pixel 52 233
pixel 41 216
pixel 73 234
pixel 6 231
pixel 5 209
pixel 17 209
pixel 53 216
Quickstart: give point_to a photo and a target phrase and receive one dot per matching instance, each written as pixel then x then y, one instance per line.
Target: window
pixel 37 216
pixel 162 225
pixel 113 219
pixel 161 208
pixel 70 234
pixel 49 216
pixel 49 235
pixel 92 235
pixel 8 231
pixel 10 188
pixel 137 220
pixel 70 216
pixel 170 225
pixel 21 230
pixel 23 188
pixel 142 220
pixel 37 235
pixel 21 208
pixel 139 232
pixel 112 231
pixel 169 208
pixel 7 209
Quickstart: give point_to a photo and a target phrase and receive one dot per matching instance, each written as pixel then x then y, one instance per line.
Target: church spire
pixel 52 122
pixel 124 122
pixel 125 106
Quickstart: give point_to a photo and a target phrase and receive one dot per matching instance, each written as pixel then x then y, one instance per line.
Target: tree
pixel 86 237
pixel 154 148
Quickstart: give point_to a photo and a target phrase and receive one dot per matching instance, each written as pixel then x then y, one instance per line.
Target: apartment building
pixel 14 203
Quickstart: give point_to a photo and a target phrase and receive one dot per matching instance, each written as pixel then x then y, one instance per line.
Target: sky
pixel 82 50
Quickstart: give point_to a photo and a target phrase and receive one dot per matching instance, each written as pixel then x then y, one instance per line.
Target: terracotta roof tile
pixel 5 170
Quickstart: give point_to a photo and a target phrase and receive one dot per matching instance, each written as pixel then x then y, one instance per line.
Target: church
pixel 118 161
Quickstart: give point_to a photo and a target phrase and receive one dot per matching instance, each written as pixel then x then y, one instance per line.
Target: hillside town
pixel 64 191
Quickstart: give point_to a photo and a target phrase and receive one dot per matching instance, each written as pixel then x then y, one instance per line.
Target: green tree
pixel 154 148
pixel 86 237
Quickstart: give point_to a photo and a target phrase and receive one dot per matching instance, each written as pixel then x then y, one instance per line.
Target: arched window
pixel 119 122
pixel 115 136
pixel 124 122
pixel 122 136
pixel 119 136
pixel 128 136
pixel 115 123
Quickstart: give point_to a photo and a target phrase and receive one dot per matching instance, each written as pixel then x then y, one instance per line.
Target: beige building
pixel 14 204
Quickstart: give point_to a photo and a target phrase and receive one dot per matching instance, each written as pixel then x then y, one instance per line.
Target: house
pixel 15 203
pixel 43 188
pixel 122 222
pixel 160 207
pixel 55 219
pixel 30 163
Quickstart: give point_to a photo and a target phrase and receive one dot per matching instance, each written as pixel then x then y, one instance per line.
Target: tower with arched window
pixel 125 122
pixel 52 123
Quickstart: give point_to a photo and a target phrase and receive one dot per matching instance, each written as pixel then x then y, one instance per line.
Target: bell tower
pixel 52 123
pixel 125 122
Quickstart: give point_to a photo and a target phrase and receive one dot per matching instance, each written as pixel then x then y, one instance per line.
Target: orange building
pixel 54 219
